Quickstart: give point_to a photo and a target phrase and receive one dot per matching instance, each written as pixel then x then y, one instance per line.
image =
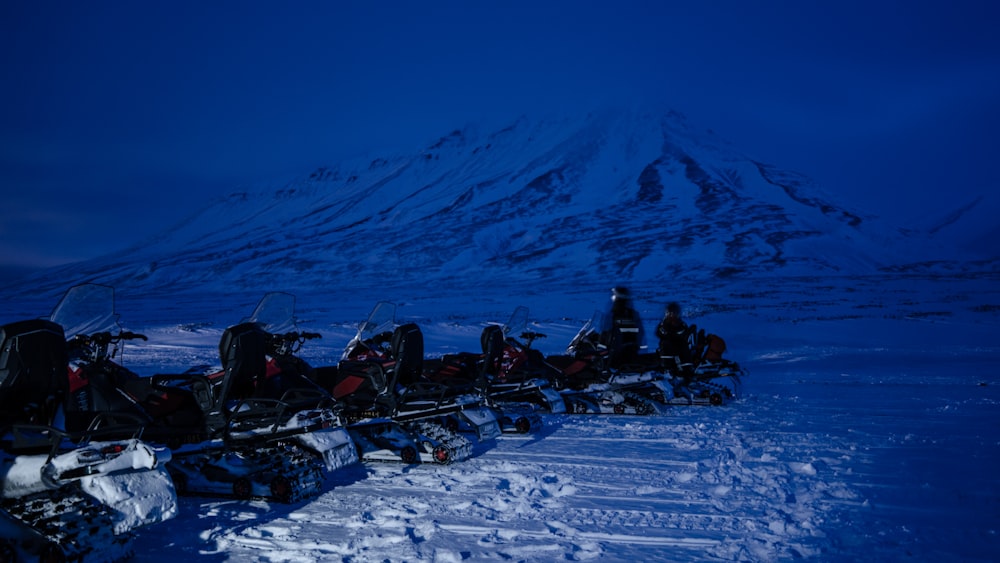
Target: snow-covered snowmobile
pixel 227 439
pixel 589 384
pixel 67 496
pixel 396 414
pixel 517 394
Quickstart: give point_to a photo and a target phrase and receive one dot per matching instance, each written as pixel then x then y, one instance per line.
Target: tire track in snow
pixel 659 541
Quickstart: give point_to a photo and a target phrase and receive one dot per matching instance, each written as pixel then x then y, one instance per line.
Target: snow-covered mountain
pixel 613 196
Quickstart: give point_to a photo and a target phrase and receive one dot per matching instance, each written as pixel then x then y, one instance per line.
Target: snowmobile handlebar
pixel 290 342
pixel 530 337
pixel 126 335
pixel 105 337
pixel 298 336
pixel 95 346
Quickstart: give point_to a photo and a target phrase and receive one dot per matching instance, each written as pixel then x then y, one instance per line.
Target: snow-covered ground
pixel 868 430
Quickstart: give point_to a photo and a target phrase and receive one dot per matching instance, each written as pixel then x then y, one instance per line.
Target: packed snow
pixel 867 431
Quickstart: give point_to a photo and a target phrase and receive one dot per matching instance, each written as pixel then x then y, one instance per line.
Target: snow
pixel 864 433
pixel 138 499
pixel 867 429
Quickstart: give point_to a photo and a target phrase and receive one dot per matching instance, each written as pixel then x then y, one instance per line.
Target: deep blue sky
pixel 118 118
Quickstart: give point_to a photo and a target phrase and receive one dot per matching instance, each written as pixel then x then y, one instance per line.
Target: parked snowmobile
pixel 589 384
pixel 64 495
pixel 396 413
pixel 287 378
pixel 699 376
pixel 517 394
pixel 704 377
pixel 226 440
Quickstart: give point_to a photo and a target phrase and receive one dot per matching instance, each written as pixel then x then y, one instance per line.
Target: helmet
pixel 619 293
pixel 674 308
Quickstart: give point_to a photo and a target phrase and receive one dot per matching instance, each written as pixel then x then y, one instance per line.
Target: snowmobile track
pixel 68 525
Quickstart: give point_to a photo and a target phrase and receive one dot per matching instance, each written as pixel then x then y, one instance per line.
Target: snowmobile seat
pixel 492 341
pixel 462 367
pixel 177 409
pixel 34 363
pixel 407 349
pixel 177 403
pixel 575 373
pixel 243 351
pixel 100 397
pixel 356 383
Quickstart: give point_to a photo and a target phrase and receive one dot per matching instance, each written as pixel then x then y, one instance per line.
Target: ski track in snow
pixel 527 499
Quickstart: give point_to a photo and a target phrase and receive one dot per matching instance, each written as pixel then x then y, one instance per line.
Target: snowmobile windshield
pixel 590 327
pixel 382 319
pixel 275 313
pixel 517 324
pixel 87 309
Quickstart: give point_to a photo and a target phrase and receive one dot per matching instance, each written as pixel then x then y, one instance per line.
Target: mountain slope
pixel 614 195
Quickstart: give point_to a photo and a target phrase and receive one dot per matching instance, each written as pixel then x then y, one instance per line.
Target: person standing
pixel 673 334
pixel 623 334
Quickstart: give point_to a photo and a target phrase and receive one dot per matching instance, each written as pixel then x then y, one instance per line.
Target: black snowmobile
pixel 694 374
pixel 67 496
pixel 396 413
pixel 227 438
pixel 591 381
pixel 701 376
pixel 516 393
pixel 287 379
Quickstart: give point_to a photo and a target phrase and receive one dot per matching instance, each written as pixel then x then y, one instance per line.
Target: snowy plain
pixel 867 430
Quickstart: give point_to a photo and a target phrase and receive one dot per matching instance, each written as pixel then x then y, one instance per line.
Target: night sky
pixel 117 119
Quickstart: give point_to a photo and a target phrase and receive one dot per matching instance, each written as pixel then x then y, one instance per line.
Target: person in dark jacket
pixel 673 334
pixel 622 333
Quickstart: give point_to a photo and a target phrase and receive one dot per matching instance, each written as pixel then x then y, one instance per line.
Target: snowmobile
pixel 67 496
pixel 227 439
pixel 287 379
pixel 517 395
pixel 396 414
pixel 699 376
pixel 703 377
pixel 588 383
